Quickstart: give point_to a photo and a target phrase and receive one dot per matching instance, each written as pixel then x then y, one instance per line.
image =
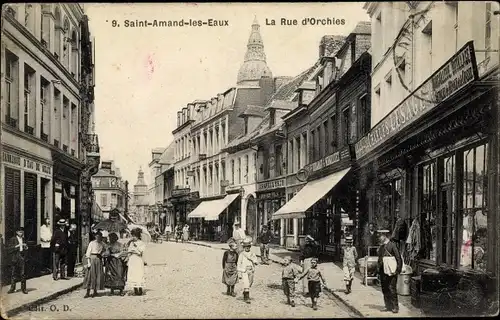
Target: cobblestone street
pixel 184 281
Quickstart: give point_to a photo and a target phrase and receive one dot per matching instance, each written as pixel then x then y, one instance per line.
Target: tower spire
pixel 254 66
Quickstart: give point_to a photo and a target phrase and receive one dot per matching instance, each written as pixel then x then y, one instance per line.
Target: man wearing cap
pixel 59 245
pixel 17 248
pixel 389 281
pixel 238 236
pixel 264 239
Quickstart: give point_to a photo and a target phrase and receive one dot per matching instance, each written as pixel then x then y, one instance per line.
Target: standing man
pixel 59 245
pixel 72 249
pixel 264 239
pixel 389 281
pixel 371 238
pixel 168 231
pixel 238 236
pixel 45 237
pixel 17 248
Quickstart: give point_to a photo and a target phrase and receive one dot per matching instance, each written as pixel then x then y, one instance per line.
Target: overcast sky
pixel 145 75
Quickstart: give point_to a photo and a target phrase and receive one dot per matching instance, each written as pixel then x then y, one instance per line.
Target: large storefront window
pixel 428 210
pixel 448 210
pixel 474 219
pixel 388 204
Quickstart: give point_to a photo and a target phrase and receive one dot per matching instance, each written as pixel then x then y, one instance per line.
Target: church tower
pixel 254 66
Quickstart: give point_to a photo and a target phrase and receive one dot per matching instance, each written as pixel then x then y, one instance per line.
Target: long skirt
pixel 230 274
pixel 307 265
pixel 94 278
pixel 247 279
pixel 114 274
pixel 135 273
pixel 185 235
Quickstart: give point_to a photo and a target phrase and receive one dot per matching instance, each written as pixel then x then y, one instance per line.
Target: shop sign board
pixel 324 162
pixel 272 184
pixel 459 71
pixel 180 192
pixel 27 164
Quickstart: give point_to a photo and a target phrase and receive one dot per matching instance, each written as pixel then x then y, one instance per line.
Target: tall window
pixel 313 145
pixel 58 33
pixel 246 168
pixel 239 170
pixel 272 117
pixel 104 200
pixel 297 142
pixel 29 17
pixel 334 139
pixel 326 135
pixel 290 156
pixel 44 103
pixel 289 226
pixel 11 89
pixel 346 125
pixel 232 171
pixel 321 142
pixel 487 33
pixel 254 165
pixel 364 115
pixel 474 220
pixel 29 99
pixel 74 128
pixel 45 25
pixel 304 149
pixel 278 152
pixel 428 209
pixel 74 54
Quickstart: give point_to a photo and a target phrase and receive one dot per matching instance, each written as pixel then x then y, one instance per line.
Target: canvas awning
pixel 308 196
pixel 211 209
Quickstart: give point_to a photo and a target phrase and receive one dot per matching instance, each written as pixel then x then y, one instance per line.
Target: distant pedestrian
pixel 264 239
pixel 17 248
pixel 72 249
pixel 288 277
pixel 315 279
pixel 178 233
pixel 135 273
pixel 230 268
pixel 168 231
pixel 238 236
pixel 247 261
pixel 59 245
pixel 45 237
pixel 389 270
pixel 94 278
pixel 349 263
pixel 185 233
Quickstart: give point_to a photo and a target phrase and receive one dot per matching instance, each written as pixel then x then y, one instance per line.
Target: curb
pixel 336 295
pixel 17 310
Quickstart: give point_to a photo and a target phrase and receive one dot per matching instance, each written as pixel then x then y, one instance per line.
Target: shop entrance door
pixel 251 219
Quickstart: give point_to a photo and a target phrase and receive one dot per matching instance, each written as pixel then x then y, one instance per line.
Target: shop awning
pixel 211 209
pixel 308 196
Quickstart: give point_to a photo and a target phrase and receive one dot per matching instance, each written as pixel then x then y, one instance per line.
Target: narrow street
pixel 184 281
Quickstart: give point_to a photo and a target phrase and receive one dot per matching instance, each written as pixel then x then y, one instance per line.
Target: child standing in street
pixel 247 261
pixel 229 266
pixel 350 256
pixel 315 279
pixel 288 276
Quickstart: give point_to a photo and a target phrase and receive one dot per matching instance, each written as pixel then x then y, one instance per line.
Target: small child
pixel 247 260
pixel 288 276
pixel 350 256
pixel 315 279
pixel 229 267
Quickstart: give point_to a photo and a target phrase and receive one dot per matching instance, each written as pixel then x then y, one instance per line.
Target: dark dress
pixel 229 265
pixel 115 277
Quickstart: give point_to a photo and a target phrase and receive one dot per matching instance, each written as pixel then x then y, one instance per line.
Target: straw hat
pixel 247 242
pixel 61 222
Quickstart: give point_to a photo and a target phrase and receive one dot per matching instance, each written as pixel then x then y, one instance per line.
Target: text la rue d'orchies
pixel 305 22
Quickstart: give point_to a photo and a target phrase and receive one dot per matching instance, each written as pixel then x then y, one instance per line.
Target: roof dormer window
pixel 272 117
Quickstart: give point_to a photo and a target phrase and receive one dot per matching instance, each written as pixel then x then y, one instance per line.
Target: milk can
pixel 403 285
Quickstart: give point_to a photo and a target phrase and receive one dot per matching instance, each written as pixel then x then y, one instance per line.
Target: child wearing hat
pixel 247 261
pixel 288 276
pixel 229 266
pixel 349 263
pixel 315 278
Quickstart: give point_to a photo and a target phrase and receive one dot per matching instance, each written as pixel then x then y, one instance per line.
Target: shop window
pixel 474 219
pixel 427 190
pixel 388 203
pixel 448 210
pixel 289 226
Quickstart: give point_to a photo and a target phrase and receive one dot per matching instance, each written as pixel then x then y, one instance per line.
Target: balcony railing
pixel 29 130
pixel 56 143
pixel 93 143
pixel 11 121
pixel 44 137
pixel 65 148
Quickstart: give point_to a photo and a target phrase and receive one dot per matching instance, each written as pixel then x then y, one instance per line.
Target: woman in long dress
pixel 135 272
pixel 115 278
pixel 94 278
pixel 185 233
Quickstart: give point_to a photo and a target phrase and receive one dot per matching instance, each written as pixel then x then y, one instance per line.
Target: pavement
pixel 364 301
pixel 40 290
pixel 184 281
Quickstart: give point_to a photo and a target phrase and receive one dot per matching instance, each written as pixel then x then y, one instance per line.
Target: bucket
pixel 403 285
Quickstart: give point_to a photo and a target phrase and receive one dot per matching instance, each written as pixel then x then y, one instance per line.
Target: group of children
pixel 241 265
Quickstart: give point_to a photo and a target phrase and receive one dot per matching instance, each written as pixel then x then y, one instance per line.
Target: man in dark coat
pixel 59 245
pixel 371 237
pixel 264 239
pixel 389 282
pixel 17 248
pixel 72 250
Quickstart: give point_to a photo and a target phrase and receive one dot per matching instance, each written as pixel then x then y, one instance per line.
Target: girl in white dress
pixel 135 272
